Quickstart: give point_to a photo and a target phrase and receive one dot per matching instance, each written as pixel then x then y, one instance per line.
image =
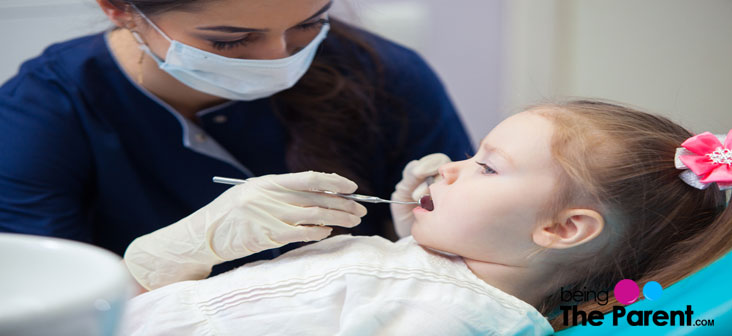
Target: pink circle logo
pixel 626 291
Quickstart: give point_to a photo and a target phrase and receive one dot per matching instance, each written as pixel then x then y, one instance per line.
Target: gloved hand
pixel 263 213
pixel 411 188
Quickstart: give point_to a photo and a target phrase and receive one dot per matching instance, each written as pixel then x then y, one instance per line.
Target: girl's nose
pixel 449 172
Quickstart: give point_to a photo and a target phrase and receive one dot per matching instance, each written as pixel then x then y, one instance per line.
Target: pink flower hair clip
pixel 706 158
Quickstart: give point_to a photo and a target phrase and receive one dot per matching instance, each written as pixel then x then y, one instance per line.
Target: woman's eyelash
pixel 311 25
pixel 486 168
pixel 225 45
pixel 221 45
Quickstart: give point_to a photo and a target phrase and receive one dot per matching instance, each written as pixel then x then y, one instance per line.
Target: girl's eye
pixel 312 25
pixel 486 168
pixel 226 45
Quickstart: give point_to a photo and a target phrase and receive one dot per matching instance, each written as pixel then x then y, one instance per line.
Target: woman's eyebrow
pixel 321 11
pixel 232 29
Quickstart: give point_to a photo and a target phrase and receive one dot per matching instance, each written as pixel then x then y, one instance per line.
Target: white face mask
pixel 232 78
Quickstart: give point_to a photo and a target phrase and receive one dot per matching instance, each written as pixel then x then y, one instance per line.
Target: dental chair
pixel 708 291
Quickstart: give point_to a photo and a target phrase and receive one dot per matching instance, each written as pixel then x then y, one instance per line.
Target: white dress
pixel 340 286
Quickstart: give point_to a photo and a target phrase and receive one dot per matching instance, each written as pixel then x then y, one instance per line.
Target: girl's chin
pixel 422 235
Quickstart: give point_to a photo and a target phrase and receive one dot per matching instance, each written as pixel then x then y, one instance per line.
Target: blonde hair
pixel 621 162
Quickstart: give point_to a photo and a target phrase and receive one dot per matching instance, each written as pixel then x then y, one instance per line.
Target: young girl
pixel 575 195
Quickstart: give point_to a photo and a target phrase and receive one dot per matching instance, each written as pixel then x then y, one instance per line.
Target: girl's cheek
pixel 461 223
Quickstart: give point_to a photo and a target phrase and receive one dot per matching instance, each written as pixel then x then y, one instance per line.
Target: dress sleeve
pixel 45 160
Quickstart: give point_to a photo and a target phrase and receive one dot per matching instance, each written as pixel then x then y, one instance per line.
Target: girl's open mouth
pixel 426 203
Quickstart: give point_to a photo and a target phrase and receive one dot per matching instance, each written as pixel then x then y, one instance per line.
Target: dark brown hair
pixel 336 111
pixel 334 114
pixel 622 160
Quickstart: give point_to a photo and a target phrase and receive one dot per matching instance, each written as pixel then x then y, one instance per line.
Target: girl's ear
pixel 120 16
pixel 573 228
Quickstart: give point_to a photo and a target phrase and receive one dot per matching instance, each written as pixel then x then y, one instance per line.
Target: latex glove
pixel 263 213
pixel 411 188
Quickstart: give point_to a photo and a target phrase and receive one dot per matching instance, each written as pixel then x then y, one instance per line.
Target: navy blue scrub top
pixel 86 154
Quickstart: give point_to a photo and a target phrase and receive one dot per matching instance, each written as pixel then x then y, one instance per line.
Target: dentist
pixel 112 136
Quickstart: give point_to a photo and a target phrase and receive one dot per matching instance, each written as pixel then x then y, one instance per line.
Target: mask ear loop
pixel 151 23
pixel 144 49
pixel 130 27
pixel 141 42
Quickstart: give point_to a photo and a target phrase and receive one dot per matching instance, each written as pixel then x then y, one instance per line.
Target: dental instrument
pixel 355 197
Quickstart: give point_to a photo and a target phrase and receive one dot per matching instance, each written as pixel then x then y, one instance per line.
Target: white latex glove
pixel 411 188
pixel 263 213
